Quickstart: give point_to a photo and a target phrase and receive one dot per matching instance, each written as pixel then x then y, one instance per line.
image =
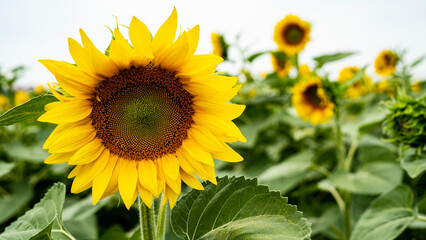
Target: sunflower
pixel 4 103
pixel 385 63
pixel 416 86
pixel 281 65
pixel 220 47
pixel 291 34
pixel 39 89
pixel 357 89
pixel 383 87
pixel 21 97
pixel 143 118
pixel 311 102
pixel 304 70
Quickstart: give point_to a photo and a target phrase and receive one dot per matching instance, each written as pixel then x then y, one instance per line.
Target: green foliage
pixel 323 59
pixel 18 199
pixel 414 162
pixel 43 221
pixel 387 216
pixel 5 168
pixel 237 207
pixel 29 110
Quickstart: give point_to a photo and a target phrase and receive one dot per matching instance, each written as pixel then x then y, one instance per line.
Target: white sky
pixel 38 29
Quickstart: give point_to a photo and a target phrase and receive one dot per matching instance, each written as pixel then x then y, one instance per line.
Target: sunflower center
pixel 311 96
pixel 142 113
pixel 293 34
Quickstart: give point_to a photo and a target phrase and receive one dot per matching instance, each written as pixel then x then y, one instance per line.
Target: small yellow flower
pixel 357 89
pixel 304 70
pixel 281 66
pixel 39 89
pixel 311 102
pixel 416 87
pixel 220 47
pixel 291 34
pixel 252 93
pixel 4 103
pixel 385 63
pixel 21 97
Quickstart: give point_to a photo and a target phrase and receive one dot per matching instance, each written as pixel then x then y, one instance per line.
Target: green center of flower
pixel 142 113
pixel 293 34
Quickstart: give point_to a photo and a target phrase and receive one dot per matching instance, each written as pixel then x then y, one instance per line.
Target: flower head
pixel 385 63
pixel 291 34
pixel 39 89
pixel 281 64
pixel 21 97
pixel 311 102
pixel 220 47
pixel 357 89
pixel 143 118
pixel 4 103
pixel 304 70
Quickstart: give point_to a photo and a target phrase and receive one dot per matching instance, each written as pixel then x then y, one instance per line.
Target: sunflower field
pixel 146 139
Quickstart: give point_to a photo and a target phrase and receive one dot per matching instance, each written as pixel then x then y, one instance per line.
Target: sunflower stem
pixel 162 220
pixel 147 222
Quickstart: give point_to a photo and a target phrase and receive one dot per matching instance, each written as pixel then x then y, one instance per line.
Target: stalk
pixel 147 222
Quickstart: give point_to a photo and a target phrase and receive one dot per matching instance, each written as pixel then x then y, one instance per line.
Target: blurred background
pixel 32 30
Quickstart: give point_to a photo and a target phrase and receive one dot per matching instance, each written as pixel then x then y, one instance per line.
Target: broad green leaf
pixel 29 110
pixel 40 217
pixel 421 211
pixel 46 233
pixel 321 60
pixel 5 168
pixel 256 55
pixel 372 178
pixel 237 208
pixel 288 173
pixel 116 232
pixel 21 152
pixel 12 204
pixel 413 163
pixel 418 61
pixel 387 216
pixel 372 149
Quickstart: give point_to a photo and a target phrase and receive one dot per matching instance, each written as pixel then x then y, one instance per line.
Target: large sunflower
pixel 144 117
pixel 311 102
pixel 291 34
pixel 385 63
pixel 357 89
pixel 281 65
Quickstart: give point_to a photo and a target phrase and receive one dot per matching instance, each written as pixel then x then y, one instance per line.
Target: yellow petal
pixel 141 40
pixel 229 155
pixel 113 182
pixel 120 51
pixel 175 184
pixel 70 71
pixel 224 111
pixel 80 56
pixel 75 171
pixel 172 196
pixel 205 138
pixel 148 175
pixel 146 196
pixel 70 138
pixel 101 181
pixel 88 153
pixel 170 166
pixel 56 158
pixel 127 182
pixel 186 159
pixel 199 65
pixel 193 37
pixel 67 112
pixel 193 149
pixel 191 180
pixel 165 34
pixel 173 57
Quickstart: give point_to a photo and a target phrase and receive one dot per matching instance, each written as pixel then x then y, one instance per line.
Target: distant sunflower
pixel 21 97
pixel 281 65
pixel 416 86
pixel 385 63
pixel 357 89
pixel 383 87
pixel 220 47
pixel 4 103
pixel 144 118
pixel 39 89
pixel 304 70
pixel 311 102
pixel 291 34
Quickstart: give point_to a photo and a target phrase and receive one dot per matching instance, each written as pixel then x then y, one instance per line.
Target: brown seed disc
pixel 311 95
pixel 142 113
pixel 293 34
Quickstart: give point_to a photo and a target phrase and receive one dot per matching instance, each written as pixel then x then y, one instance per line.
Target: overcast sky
pixel 38 29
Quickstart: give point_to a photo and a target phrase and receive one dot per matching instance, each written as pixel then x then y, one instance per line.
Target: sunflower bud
pixel 406 121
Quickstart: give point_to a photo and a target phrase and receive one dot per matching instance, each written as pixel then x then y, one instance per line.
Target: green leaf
pixel 38 219
pixel 387 216
pixel 372 178
pixel 372 149
pixel 5 168
pixel 46 233
pixel 321 60
pixel 116 232
pixel 289 173
pixel 256 55
pixel 34 108
pixel 237 208
pixel 418 61
pixel 413 163
pixel 12 204
pixel 21 152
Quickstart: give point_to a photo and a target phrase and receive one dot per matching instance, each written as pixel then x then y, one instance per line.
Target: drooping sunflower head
pixel 291 34
pixel 357 89
pixel 311 101
pixel 220 47
pixel 281 64
pixel 143 118
pixel 386 62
